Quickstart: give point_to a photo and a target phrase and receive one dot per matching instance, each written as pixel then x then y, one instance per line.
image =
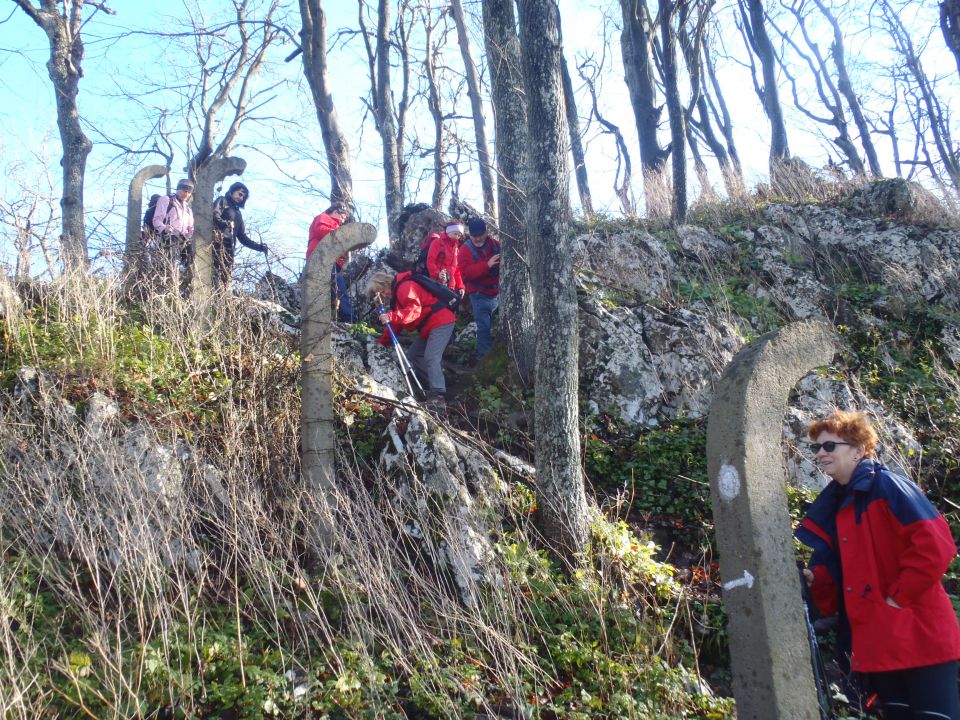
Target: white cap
pixel 455 227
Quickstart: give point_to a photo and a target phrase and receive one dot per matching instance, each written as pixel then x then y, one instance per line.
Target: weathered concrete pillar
pixel 318 458
pixel 772 674
pixel 133 249
pixel 207 177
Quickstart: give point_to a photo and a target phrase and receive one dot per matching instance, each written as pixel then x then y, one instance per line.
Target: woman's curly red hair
pixel 852 425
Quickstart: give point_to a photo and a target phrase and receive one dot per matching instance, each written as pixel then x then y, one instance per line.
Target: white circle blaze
pixel 728 482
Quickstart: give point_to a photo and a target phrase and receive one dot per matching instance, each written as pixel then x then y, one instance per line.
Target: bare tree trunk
pixel 433 103
pixel 622 189
pixel 561 498
pixel 930 103
pixel 388 133
pixel 576 143
pixel 845 86
pixel 674 110
pixel 754 25
pixel 950 25
pixel 635 43
pixel 510 116
pixel 722 115
pixel 476 107
pixel 63 31
pixel 313 42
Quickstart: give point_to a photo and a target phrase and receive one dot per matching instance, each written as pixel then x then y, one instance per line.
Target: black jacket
pixel 226 211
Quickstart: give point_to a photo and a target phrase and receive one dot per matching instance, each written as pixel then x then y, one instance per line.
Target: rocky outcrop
pixel 646 364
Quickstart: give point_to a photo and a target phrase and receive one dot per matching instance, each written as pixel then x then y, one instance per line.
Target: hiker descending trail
pixel 323 224
pixel 418 305
pixel 479 263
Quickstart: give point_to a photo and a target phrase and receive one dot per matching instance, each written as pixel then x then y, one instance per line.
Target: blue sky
pixel 285 171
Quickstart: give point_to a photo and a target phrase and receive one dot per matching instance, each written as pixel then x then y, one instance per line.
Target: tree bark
pixel 63 31
pixel 383 105
pixel 510 117
pixel 635 42
pixel 313 42
pixel 576 142
pixel 431 56
pixel 561 499
pixel 950 25
pixel 668 37
pixel 476 108
pixel 754 20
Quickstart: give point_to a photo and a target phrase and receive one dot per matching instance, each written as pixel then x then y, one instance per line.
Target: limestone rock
pixel 448 495
pixel 643 363
pixel 633 261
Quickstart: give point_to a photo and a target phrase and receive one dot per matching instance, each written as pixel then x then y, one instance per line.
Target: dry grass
pixel 147 567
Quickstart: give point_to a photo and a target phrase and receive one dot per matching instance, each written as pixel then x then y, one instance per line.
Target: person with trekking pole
pixel 402 360
pixel 880 551
pixel 415 309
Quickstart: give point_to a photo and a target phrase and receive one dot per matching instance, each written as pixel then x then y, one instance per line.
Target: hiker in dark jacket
pixel 228 227
pixel 479 263
pixel 413 308
pixel 880 550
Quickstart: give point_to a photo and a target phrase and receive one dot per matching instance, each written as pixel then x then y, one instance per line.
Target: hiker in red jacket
pixel 414 309
pixel 324 224
pixel 479 262
pixel 442 253
pixel 880 550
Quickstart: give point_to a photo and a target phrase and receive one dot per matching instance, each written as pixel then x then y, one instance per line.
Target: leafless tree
pixel 510 115
pixel 576 141
pixel 950 25
pixel 313 43
pixel 668 12
pixel 636 43
pixel 590 72
pixel 720 113
pixel 390 119
pixel 946 160
pixel 62 21
pixel 435 32
pixel 30 219
pixel 700 124
pixel 753 26
pixel 476 108
pixel 561 498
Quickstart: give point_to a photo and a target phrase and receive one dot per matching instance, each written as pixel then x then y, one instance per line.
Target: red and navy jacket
pixel 414 309
pixel 879 537
pixel 476 273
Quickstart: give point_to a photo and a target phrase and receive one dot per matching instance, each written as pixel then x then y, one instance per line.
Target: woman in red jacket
pixel 880 550
pixel 414 309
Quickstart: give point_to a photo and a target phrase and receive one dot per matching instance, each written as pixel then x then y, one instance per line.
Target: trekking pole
pixel 819 671
pixel 405 367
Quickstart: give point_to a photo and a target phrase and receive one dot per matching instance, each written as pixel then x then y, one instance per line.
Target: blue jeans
pixel 344 309
pixel 483 308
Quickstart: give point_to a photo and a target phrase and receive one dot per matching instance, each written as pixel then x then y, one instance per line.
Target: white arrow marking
pixel 747 580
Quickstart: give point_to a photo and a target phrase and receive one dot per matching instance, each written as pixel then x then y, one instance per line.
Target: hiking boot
pixel 435 401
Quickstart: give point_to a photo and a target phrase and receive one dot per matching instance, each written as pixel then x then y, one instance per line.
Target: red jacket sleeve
pixel 471 269
pixel 409 305
pixel 929 550
pixel 433 264
pixel 321 226
pixel 824 592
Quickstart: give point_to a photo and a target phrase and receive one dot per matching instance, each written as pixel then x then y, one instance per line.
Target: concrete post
pixel 318 459
pixel 132 250
pixel 772 672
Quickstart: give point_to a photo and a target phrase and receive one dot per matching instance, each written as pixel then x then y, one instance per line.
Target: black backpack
pixel 152 209
pixel 446 298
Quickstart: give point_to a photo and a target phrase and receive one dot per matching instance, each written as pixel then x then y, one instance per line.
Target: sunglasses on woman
pixel 829 446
